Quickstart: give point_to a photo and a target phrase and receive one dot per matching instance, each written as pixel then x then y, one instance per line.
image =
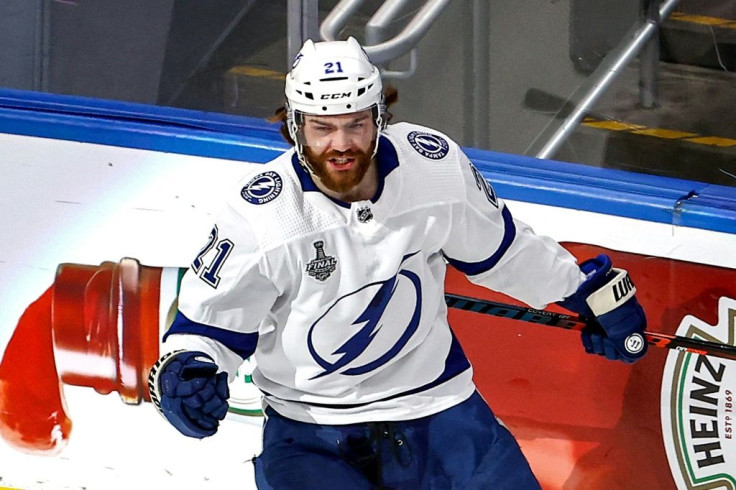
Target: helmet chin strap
pixel 293 128
pixel 303 160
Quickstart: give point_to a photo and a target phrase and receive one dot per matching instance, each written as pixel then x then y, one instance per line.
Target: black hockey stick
pixel 561 320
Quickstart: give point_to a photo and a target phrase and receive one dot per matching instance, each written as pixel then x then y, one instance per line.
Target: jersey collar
pixel 386 158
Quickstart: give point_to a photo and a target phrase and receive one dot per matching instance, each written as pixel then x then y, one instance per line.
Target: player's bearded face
pixel 339 148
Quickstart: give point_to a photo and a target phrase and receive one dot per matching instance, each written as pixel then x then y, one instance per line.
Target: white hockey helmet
pixel 329 78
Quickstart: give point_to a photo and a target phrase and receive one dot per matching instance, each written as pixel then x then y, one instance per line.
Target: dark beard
pixel 340 182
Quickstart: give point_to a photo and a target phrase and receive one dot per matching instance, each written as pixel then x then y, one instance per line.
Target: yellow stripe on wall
pixel 251 71
pixel 713 141
pixel 703 20
pixel 670 134
pixel 612 125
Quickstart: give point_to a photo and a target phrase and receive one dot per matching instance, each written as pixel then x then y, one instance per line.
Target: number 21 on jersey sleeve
pixel 211 273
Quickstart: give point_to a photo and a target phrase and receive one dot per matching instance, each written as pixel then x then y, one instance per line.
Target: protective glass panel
pixel 591 82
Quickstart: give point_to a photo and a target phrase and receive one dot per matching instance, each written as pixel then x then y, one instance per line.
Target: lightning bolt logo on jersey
pixel 429 145
pixel 371 346
pixel 343 303
pixel 262 188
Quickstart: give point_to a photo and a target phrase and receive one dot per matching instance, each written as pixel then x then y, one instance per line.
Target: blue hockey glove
pixel 607 299
pixel 188 391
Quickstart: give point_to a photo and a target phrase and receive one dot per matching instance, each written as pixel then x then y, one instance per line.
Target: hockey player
pixel 328 264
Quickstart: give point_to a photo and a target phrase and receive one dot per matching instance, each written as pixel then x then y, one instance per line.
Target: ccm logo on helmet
pixel 335 96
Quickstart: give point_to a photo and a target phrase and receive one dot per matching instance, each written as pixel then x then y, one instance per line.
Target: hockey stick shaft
pixel 570 322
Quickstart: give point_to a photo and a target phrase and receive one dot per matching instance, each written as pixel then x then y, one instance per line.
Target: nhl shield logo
pixel 322 266
pixel 365 214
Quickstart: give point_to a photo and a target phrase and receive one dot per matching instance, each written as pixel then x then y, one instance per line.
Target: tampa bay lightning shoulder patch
pixel 429 145
pixel 262 188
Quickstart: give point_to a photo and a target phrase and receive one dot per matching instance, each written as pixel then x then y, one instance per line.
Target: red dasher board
pixel 586 422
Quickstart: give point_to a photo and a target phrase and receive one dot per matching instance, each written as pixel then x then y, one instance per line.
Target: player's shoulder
pixel 262 184
pixel 429 160
pixel 271 198
pixel 420 143
pixel 261 193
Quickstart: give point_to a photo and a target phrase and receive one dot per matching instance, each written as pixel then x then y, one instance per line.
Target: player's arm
pixel 497 251
pixel 504 254
pixel 223 298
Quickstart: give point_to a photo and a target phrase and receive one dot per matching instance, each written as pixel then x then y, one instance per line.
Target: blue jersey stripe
pixel 475 268
pixel 243 344
pixel 387 159
pixel 456 363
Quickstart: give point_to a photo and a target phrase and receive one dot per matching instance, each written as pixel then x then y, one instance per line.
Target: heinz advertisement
pixel 95 238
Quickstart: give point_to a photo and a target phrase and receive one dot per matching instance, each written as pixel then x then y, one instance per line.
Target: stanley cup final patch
pixel 429 145
pixel 262 188
pixel 322 265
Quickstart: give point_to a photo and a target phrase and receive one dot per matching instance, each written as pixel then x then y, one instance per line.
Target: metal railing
pixel 302 26
pixel 585 97
pixel 641 40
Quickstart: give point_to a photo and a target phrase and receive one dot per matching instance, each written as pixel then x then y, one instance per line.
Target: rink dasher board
pixel 69 200
pixel 78 202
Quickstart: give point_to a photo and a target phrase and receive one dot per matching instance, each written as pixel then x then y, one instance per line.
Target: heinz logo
pixel 697 406
pixel 335 96
pixel 622 288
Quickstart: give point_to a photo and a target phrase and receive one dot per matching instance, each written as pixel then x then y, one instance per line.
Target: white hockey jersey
pixel 346 300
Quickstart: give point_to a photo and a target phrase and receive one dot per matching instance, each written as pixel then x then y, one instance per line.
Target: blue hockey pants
pixel 463 447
